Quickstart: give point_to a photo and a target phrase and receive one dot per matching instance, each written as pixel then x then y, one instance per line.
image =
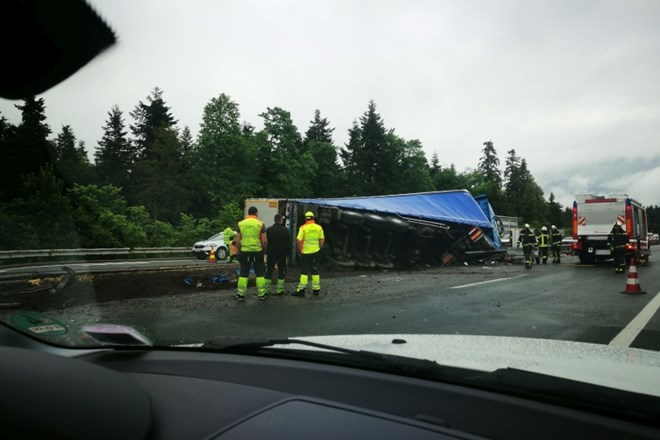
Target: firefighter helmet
pixel 544 229
pixel 527 225
pixel 553 227
pixel 618 223
pixel 309 214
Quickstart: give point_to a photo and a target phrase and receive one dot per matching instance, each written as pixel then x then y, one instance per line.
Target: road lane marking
pixel 634 327
pixel 489 281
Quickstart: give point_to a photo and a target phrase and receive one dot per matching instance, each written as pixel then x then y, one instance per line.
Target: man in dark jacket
pixel 617 241
pixel 279 246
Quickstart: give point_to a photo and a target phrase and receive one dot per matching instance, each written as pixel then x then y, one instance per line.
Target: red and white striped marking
pixel 632 283
pixel 620 218
pixel 582 221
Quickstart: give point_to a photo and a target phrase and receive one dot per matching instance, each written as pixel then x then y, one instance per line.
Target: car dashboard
pixel 174 394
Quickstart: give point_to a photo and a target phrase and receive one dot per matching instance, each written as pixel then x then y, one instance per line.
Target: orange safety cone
pixel 632 283
pixel 212 255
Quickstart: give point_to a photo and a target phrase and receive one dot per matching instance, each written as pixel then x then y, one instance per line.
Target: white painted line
pixel 489 281
pixel 634 327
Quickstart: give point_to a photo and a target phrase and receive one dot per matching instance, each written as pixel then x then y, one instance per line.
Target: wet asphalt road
pixel 567 302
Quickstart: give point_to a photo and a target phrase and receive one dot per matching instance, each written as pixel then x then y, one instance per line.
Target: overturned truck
pixel 403 230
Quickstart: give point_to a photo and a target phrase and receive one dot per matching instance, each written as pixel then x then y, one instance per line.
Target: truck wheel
pixel 352 218
pixel 397 225
pixel 375 221
pixel 221 253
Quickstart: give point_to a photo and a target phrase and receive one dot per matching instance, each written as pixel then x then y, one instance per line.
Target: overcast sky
pixel 573 86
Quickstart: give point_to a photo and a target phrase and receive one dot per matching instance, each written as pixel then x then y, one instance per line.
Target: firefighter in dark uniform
pixel 617 240
pixel 528 241
pixel 555 244
pixel 544 244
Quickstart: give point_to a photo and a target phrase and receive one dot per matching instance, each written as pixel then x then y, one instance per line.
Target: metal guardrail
pixel 18 254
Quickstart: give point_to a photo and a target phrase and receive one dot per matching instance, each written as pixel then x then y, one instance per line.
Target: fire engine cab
pixel 593 219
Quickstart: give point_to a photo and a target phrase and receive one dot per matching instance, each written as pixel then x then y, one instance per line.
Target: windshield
pixel 373 167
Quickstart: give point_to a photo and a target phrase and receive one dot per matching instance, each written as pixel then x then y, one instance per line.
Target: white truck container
pixel 593 219
pixel 267 209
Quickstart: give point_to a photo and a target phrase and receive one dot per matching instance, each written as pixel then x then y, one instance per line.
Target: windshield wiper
pixel 358 358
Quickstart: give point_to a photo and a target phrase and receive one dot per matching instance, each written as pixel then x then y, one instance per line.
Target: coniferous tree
pixel 152 119
pixel 71 159
pixel 114 158
pixel 159 179
pixel 490 164
pixel 434 166
pixel 186 140
pixel 319 130
pixel 8 184
pixel 555 212
pixel 329 179
pixel 370 160
pixel 149 117
pixel 349 164
pixel 29 149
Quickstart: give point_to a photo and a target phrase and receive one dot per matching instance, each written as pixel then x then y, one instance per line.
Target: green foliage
pixel 329 180
pixel 230 214
pixel 71 160
pixel 99 215
pixel 448 178
pixel 159 178
pixel 222 164
pixel 165 188
pixel 284 169
pixel 653 218
pixel 524 195
pixel 191 230
pixel 413 171
pixel 40 217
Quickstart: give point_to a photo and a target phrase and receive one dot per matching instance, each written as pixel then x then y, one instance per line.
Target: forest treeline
pixel 151 183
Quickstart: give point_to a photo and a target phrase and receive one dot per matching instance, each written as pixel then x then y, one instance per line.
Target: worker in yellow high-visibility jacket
pixel 251 242
pixel 310 240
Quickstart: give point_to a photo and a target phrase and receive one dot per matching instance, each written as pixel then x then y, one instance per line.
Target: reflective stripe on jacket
pixel 527 238
pixel 556 238
pixel 544 240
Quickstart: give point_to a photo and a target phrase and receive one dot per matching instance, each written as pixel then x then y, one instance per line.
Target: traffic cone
pixel 632 283
pixel 212 255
